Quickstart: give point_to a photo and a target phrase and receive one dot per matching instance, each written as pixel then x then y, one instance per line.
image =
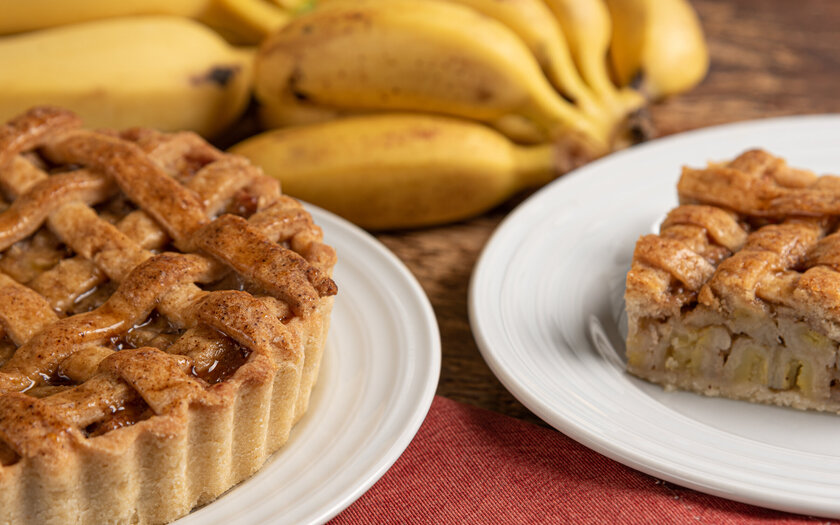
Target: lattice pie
pixel 739 294
pixel 162 314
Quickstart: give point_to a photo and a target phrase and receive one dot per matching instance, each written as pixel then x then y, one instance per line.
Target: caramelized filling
pixel 115 209
pixel 225 360
pixel 7 455
pixel 244 204
pixel 129 414
pixel 7 350
pixel 231 281
pixel 92 299
pixel 155 331
pixel 29 258
pixel 46 391
pixel 51 385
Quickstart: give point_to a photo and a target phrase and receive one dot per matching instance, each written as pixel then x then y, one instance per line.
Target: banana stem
pixel 561 119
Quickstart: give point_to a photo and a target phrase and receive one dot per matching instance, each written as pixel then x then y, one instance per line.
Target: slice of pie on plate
pixel 739 294
pixel 163 309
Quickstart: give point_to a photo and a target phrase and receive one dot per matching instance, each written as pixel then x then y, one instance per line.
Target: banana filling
pixel 786 362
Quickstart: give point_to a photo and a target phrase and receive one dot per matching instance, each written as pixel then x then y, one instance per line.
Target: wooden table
pixel 769 58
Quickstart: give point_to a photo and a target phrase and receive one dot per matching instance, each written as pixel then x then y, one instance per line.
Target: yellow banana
pixel 586 25
pixel 533 22
pixel 402 170
pixel 292 112
pixel 19 16
pixel 288 111
pixel 659 41
pixel 243 21
pixel 295 6
pixel 415 55
pixel 166 72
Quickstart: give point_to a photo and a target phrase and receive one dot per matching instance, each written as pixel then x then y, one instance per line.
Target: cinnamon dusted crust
pixel 163 309
pixel 739 293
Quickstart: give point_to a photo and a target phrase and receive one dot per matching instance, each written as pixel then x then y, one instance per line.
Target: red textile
pixel 469 465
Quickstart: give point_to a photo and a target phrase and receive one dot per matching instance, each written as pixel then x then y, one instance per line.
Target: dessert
pixel 163 309
pixel 739 293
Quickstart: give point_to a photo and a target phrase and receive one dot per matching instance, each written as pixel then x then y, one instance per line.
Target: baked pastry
pixel 739 293
pixel 163 309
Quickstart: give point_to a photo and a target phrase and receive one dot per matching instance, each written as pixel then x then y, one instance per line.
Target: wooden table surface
pixel 768 58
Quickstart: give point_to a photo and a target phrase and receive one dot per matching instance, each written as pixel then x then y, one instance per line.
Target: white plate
pixel 546 307
pixel 375 387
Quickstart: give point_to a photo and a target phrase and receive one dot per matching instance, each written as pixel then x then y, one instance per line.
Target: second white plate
pixel 546 307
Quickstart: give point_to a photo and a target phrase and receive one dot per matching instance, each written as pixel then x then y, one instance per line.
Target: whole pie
pixel 163 310
pixel 739 293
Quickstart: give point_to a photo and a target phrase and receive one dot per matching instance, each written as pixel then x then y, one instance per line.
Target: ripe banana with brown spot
pixel 534 23
pixel 170 73
pixel 588 30
pixel 415 55
pixel 660 42
pixel 402 170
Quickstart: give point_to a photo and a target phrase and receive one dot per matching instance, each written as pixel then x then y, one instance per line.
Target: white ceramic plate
pixel 375 387
pixel 546 307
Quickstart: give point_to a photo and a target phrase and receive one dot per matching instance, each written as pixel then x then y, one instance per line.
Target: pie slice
pixel 739 294
pixel 163 310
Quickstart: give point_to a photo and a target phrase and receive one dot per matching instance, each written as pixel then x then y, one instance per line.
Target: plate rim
pixel 489 347
pixel 429 374
pixel 424 403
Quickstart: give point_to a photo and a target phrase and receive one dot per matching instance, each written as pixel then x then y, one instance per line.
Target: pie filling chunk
pixel 163 312
pixel 738 295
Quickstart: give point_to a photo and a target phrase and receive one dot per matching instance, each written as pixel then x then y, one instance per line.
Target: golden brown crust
pixel 740 260
pixel 177 353
pixel 760 185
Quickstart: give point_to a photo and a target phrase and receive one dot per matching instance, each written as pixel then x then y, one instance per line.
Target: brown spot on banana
pixel 218 75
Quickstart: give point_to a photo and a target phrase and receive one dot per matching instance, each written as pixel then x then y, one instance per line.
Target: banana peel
pixel 657 45
pixel 166 72
pixel 391 170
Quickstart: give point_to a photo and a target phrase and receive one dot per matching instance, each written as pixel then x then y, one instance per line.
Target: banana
pixel 292 112
pixel 19 16
pixel 659 41
pixel 288 111
pixel 586 25
pixel 415 55
pixel 402 170
pixel 295 6
pixel 242 21
pixel 165 72
pixel 533 22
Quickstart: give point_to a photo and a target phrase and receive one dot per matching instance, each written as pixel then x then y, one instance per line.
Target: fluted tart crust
pixel 163 310
pixel 739 294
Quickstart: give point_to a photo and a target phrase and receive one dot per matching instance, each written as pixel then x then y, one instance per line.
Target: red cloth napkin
pixel 469 465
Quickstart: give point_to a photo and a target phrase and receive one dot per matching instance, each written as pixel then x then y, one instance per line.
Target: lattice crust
pixel 739 293
pixel 163 309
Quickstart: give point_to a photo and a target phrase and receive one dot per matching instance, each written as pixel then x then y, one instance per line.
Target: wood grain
pixel 769 58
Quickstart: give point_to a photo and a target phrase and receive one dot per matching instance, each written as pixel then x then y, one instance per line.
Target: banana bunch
pixel 159 71
pixel 337 82
pixel 402 170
